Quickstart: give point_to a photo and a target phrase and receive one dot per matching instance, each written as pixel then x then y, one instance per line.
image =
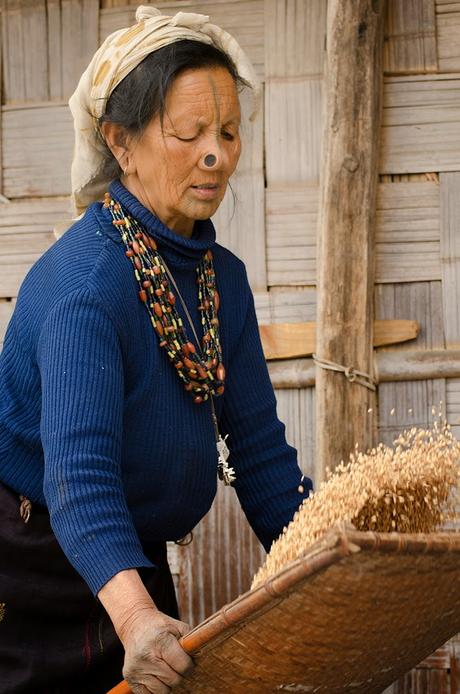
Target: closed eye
pixel 227 135
pixel 186 139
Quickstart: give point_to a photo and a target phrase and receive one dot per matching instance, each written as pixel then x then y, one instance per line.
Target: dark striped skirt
pixel 55 637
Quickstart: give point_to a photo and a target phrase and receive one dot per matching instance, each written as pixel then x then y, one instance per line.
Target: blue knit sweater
pixel 94 422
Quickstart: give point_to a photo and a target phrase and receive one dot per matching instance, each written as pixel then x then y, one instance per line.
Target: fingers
pixel 183 628
pixel 162 667
pixel 156 687
pixel 173 654
pixel 154 660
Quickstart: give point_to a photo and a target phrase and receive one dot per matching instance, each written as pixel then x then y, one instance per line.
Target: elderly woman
pixel 132 354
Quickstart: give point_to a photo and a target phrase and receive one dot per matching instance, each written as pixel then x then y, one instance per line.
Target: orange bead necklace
pixel 200 368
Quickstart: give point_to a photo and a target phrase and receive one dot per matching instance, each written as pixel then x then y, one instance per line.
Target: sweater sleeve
pixel 80 362
pixel 267 474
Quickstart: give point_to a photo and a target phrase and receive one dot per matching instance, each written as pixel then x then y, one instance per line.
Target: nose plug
pixel 210 160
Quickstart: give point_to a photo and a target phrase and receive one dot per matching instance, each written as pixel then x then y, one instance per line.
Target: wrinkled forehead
pixel 203 95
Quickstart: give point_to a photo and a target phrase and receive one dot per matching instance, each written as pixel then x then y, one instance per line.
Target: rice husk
pixel 410 487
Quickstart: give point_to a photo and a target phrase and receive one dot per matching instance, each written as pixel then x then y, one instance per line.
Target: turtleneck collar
pixel 176 249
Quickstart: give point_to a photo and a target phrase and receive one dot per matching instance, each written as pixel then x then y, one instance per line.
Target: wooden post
pixel 349 176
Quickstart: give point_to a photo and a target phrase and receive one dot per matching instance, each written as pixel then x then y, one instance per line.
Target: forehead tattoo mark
pixel 217 101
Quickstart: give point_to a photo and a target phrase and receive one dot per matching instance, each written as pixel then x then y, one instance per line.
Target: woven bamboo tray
pixel 354 614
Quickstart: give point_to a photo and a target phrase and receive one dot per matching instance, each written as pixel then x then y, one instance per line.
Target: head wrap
pixel 120 53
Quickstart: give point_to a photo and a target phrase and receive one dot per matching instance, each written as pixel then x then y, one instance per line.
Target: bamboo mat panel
pixel 453 404
pixel 47 45
pixel 242 18
pixel 25 50
pixel 450 255
pixel 26 231
pixel 296 407
pixel 295 34
pixel 421 124
pixel 407 233
pixel 37 150
pixel 448 35
pixel 292 213
pixel 453 417
pixel 6 311
pixel 368 606
pixel 1 101
pixel 410 37
pixel 403 405
pixel 296 305
pixel 293 149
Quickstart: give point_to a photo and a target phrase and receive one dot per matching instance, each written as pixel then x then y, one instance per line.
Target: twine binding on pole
pixel 351 374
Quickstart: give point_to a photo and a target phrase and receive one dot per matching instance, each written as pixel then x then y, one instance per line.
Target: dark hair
pixel 141 95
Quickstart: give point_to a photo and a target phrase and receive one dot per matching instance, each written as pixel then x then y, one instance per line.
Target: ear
pixel 117 141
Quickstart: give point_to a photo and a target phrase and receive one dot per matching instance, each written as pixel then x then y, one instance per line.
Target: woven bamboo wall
pixel 46 44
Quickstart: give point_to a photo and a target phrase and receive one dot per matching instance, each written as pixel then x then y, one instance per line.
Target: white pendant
pixel 225 472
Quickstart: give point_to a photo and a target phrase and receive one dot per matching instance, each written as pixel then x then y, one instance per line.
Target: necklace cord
pixel 153 276
pixel 189 318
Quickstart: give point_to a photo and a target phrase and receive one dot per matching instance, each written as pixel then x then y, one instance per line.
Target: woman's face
pixel 168 166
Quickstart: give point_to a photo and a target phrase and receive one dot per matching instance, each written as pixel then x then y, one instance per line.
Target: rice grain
pixel 410 487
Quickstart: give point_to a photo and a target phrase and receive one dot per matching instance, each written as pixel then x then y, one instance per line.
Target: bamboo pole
pixel 411 365
pixel 349 176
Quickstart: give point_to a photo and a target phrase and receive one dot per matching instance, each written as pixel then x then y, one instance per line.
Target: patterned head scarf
pixel 120 53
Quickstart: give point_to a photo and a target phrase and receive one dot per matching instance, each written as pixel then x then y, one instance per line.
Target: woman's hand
pixel 154 660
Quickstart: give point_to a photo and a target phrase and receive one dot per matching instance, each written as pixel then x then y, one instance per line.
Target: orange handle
pixel 122 688
pixel 189 643
pixel 192 642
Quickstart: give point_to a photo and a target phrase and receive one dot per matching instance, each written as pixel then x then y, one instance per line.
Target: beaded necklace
pixel 200 369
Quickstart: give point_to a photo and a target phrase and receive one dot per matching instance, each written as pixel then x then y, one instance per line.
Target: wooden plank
pixel 346 236
pixel 421 124
pixel 410 37
pixel 244 19
pixel 25 50
pixel 37 150
pixel 448 36
pixel 240 220
pixel 293 340
pixel 295 37
pixel 450 255
pixel 293 151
